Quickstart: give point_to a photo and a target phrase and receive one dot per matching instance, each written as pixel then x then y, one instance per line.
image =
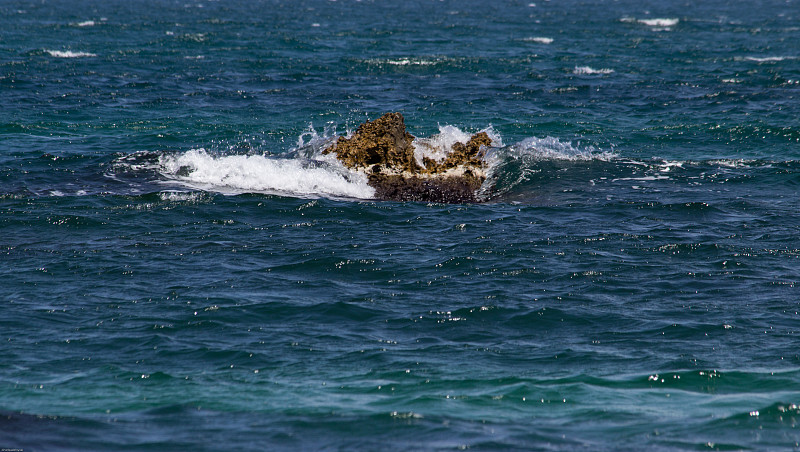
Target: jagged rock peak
pixel 383 142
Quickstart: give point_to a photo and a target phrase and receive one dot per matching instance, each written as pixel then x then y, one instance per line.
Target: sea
pixel 182 268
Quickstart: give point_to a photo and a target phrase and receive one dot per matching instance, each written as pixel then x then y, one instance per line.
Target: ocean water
pixel 182 269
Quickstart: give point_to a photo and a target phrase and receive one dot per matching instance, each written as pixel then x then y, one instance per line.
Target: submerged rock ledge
pixel 382 150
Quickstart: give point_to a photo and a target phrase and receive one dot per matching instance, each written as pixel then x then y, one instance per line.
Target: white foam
pixel 659 22
pixel 586 70
pixel 69 54
pixel 86 23
pixel 403 61
pixel 257 173
pixel 539 39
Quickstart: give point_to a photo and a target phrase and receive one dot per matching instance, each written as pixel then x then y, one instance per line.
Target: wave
pixel 539 40
pixel 404 61
pixel 512 166
pixel 771 59
pixel 586 70
pixel 234 174
pixel 657 23
pixel 69 54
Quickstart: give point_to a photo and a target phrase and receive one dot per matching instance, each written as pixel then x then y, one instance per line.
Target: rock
pixel 383 150
pixel 382 142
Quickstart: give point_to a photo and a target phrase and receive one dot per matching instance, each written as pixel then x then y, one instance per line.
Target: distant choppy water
pixel 182 270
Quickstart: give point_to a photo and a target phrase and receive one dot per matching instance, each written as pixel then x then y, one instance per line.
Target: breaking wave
pixel 304 171
pixel 512 166
pixel 199 169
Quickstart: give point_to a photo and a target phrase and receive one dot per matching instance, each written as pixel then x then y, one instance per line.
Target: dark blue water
pixel 182 269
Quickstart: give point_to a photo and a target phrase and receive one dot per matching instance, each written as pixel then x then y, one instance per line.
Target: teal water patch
pixel 183 269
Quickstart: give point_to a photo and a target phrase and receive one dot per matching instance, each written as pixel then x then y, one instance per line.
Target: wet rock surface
pixel 383 150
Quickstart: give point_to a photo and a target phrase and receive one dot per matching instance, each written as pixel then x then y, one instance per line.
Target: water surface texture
pixel 183 269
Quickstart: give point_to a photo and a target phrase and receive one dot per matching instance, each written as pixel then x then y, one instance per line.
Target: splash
pixel 436 147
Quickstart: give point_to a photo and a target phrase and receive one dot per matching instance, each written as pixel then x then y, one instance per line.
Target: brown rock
pixel 383 142
pixel 382 149
pixel 446 189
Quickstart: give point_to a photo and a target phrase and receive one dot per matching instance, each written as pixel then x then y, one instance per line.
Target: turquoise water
pixel 182 269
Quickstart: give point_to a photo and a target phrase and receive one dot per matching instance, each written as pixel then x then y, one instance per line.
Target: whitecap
pixel 405 61
pixel 659 22
pixel 771 59
pixel 86 23
pixel 586 70
pixel 539 40
pixel 69 54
